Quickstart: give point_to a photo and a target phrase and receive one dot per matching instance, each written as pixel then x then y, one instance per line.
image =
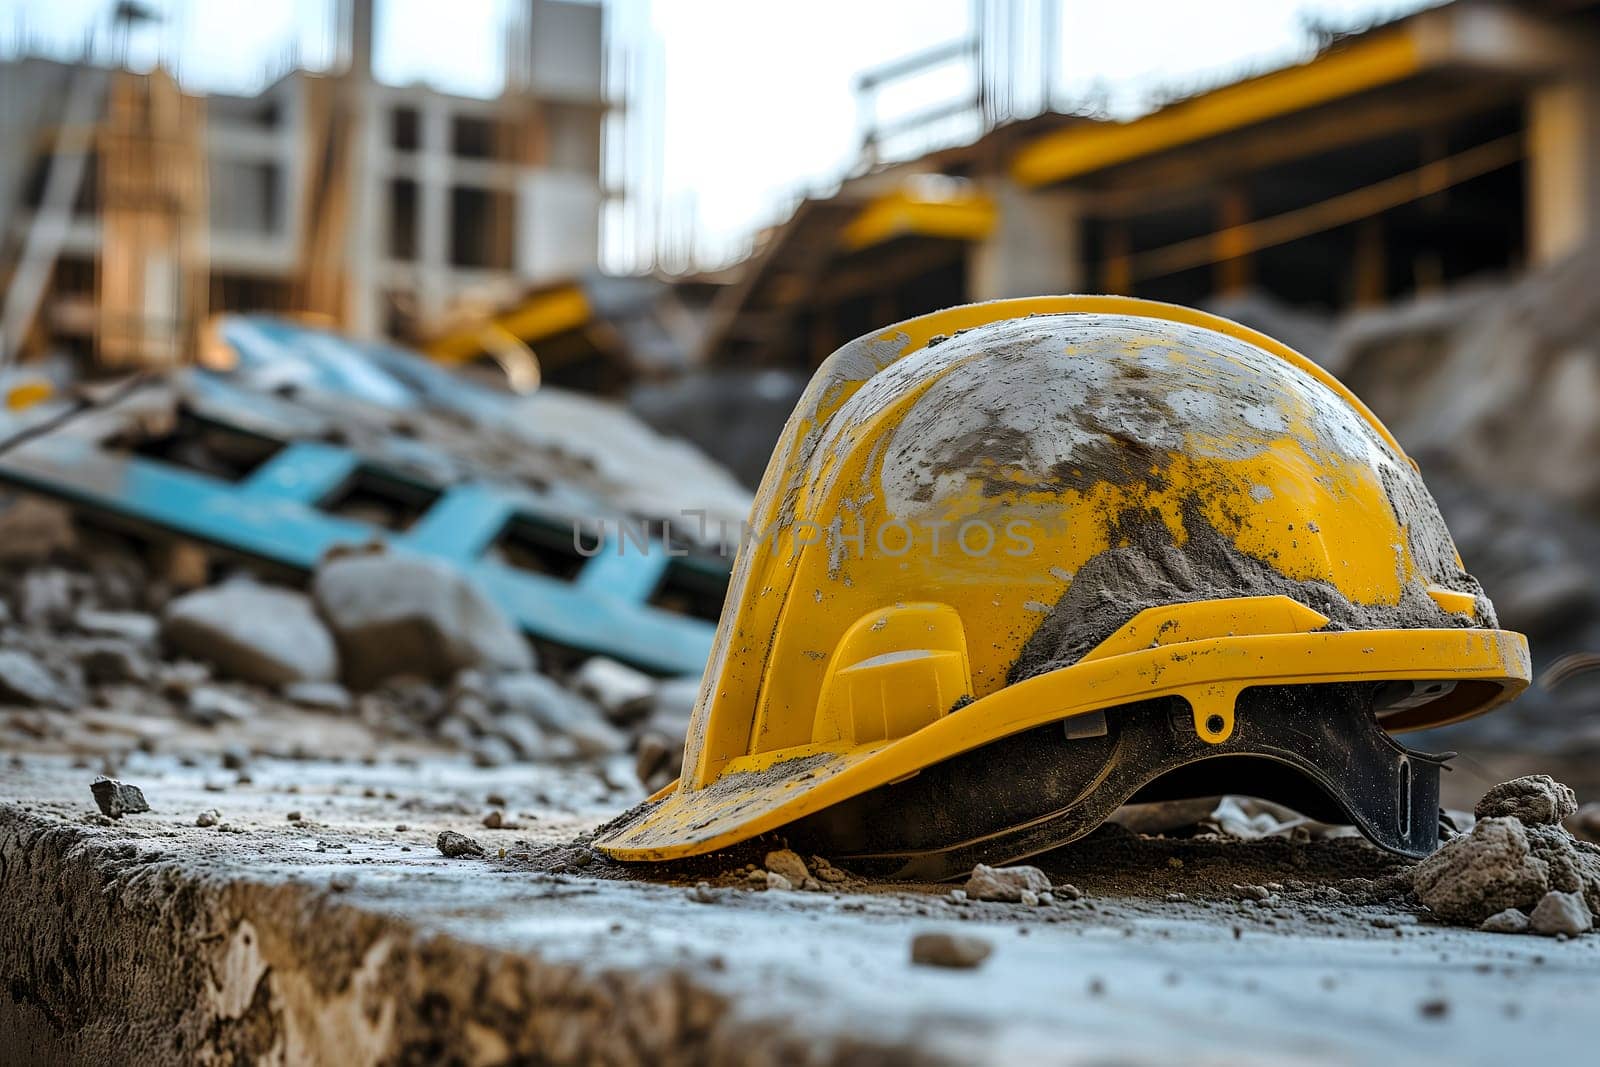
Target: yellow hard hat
pixel 1015 564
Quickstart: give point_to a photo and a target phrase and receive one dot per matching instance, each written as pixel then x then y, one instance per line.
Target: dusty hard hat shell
pixel 974 502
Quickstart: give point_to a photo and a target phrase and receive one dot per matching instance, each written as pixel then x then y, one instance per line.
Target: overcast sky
pixel 752 99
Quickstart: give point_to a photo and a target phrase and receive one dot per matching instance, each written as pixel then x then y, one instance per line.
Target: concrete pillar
pixel 1035 249
pixel 433 172
pixel 1563 167
pixel 364 244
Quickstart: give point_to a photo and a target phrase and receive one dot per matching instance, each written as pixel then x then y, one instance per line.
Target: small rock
pixel 44 597
pixel 778 881
pixel 1585 822
pixel 1029 898
pixel 1561 913
pixel 209 817
pixel 235 757
pixel 1536 799
pixel 658 759
pixel 256 633
pixel 294 816
pixel 33 530
pixel 133 626
pixel 1434 1009
pixel 1480 873
pixel 492 752
pixel 1068 891
pixel 702 893
pixel 558 711
pixel 1005 883
pixel 24 681
pixel 523 735
pixel 113 663
pixel 117 799
pixel 455 846
pixel 956 951
pixel 787 863
pixel 394 614
pixel 826 871
pixel 208 705
pixel 318 696
pixel 620 691
pixel 1253 892
pixel 674 701
pixel 494 820
pixel 1510 921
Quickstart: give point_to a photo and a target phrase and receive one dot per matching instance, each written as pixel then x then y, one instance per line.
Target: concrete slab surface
pixel 342 937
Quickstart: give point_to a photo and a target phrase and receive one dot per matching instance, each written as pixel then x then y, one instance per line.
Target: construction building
pixel 372 206
pixel 1463 140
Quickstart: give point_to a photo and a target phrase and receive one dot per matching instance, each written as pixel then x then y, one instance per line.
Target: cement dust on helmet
pixel 1015 564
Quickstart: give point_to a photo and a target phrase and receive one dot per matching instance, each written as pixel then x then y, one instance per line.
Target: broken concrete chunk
pixel 454 846
pixel 778 881
pixel 524 736
pixel 256 633
pixel 318 696
pixel 394 615
pixel 620 691
pixel 1481 873
pixel 1585 822
pixel 827 872
pixel 1561 913
pixel 1536 799
pixel 117 799
pixel 1005 883
pixel 653 761
pixel 113 662
pixel 674 700
pixel 558 711
pixel 134 626
pixel 24 681
pixel 208 705
pixel 787 863
pixel 956 951
pixel 1510 921
pixel 33 530
pixel 209 817
pixel 45 597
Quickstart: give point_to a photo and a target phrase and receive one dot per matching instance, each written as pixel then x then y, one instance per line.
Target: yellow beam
pixel 964 216
pixel 542 315
pixel 1382 59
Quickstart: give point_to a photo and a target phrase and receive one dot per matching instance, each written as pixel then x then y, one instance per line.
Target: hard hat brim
pixel 765 791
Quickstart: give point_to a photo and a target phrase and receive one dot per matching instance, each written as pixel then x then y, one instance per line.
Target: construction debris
pixel 396 616
pixel 1514 861
pixel 256 633
pixel 1008 884
pixel 1561 914
pixel 454 846
pixel 116 799
pixel 955 951
pixel 23 680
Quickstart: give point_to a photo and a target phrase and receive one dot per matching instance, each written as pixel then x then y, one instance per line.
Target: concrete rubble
pixel 254 633
pixel 1517 856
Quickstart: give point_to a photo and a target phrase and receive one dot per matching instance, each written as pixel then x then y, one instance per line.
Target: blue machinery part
pixel 650 608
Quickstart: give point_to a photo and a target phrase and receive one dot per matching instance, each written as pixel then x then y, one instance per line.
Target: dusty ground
pixel 344 935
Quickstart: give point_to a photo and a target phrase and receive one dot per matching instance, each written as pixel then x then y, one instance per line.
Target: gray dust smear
pixel 1147 569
